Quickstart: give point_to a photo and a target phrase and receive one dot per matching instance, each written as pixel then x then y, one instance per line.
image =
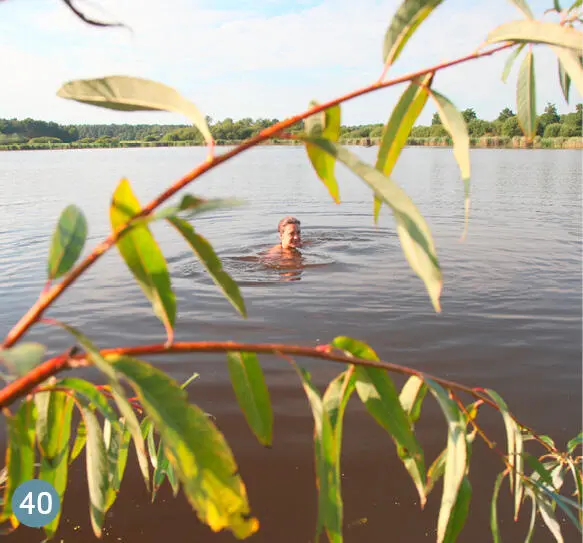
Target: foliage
pixel 175 440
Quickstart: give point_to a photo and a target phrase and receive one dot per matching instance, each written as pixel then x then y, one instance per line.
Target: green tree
pixel 506 113
pixel 436 119
pixel 553 130
pixel 511 127
pixel 469 115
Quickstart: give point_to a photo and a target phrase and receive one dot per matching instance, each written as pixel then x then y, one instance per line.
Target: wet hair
pixel 285 221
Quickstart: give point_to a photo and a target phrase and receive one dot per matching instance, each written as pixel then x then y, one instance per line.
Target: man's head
pixel 289 232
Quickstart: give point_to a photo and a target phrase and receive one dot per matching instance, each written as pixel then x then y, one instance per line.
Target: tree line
pixel 550 124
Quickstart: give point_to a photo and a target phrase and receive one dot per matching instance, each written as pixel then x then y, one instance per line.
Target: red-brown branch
pixel 46 299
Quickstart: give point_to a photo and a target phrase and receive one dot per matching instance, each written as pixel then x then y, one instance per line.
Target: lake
pixel 512 304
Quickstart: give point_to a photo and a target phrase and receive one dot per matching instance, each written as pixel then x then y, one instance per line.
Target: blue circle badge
pixel 35 503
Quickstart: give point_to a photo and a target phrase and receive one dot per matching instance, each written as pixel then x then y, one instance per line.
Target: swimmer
pixel 290 236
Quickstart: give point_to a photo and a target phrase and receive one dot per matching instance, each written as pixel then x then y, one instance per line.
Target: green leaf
pixel 510 61
pixel 410 14
pixel 411 397
pixel 206 254
pixel 528 31
pixel 399 127
pixel 494 509
pixel 557 5
pixel 190 206
pixel 456 457
pixel 22 358
pixel 377 392
pixel 460 511
pixel 192 378
pixel 548 515
pixel 117 455
pixel 118 395
pixel 325 124
pixel 537 466
pixel 330 506
pixel 564 503
pixel 526 97
pixel 80 440
pixel 435 471
pixel 252 394
pixel 68 241
pixel 564 80
pixel 578 480
pixel 572 64
pixel 134 94
pixel 515 449
pixel 91 396
pixel 574 443
pixel 523 6
pixel 54 460
pixel 161 471
pixel 97 470
pixel 198 452
pixel 19 454
pixel 143 256
pixel 454 122
pixel 529 493
pixel 414 234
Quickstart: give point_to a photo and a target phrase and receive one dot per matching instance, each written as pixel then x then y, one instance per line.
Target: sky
pixel 252 58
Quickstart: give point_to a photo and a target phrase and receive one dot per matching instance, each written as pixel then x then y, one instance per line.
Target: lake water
pixel 511 318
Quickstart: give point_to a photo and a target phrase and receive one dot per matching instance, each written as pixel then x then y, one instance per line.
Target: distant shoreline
pixel 485 142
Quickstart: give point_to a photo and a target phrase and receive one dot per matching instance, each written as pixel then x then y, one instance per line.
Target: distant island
pixel 553 131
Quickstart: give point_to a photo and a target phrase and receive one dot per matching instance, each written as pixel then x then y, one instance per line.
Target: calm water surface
pixel 511 312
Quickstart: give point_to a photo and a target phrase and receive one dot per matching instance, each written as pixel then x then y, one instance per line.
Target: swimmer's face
pixel 291 236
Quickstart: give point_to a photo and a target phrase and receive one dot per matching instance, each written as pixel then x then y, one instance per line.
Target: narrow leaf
pixel 252 394
pixel 325 124
pixel 537 466
pixel 330 507
pixel 143 256
pixel 80 440
pixel 198 452
pixel 532 523
pixel 494 508
pixel 510 61
pixel 22 358
pixel 97 470
pixel 207 256
pixel 460 511
pixel 398 128
pixel 68 241
pixel 117 455
pixel 134 94
pixel 91 395
pixel 410 14
pixel 574 443
pixel 526 97
pixel 411 397
pixel 190 206
pixel 530 31
pixel 453 121
pixel 414 234
pixel 572 66
pixel 19 454
pixel 456 457
pixel 377 392
pixel 523 6
pixel 564 80
pixel 435 471
pixel 515 447
pixel 548 515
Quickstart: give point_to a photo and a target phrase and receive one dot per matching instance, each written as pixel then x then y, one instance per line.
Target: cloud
pixel 250 59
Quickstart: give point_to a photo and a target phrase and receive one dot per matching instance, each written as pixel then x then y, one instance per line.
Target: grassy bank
pixel 493 142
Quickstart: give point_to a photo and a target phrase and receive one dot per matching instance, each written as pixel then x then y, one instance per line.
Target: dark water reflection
pixel 511 314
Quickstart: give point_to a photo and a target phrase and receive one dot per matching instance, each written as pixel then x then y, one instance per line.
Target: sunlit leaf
pixel 207 256
pixel 55 446
pixel 537 466
pixel 515 448
pixel 91 394
pixel 575 442
pixel 80 440
pixel 377 392
pixel 453 121
pixel 190 206
pixel 411 397
pixel 523 6
pixel 68 241
pixel 19 454
pixel 460 511
pixel 414 233
pixel 22 358
pixel 134 94
pixel 494 509
pixel 192 378
pixel 435 471
pixel 198 452
pixel 97 472
pixel 571 65
pixel 143 256
pixel 532 524
pixel 161 471
pixel 398 128
pixel 252 394
pixel 564 503
pixel 330 506
pixel 575 470
pixel 548 515
pixel 510 61
pixel 409 15
pixel 526 97
pixel 117 456
pixel 325 124
pixel 530 31
pixel 456 456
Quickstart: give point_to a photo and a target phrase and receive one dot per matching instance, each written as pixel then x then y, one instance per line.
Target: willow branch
pixel 47 298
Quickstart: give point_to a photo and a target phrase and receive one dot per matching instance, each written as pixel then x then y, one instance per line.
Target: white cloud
pixel 242 62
